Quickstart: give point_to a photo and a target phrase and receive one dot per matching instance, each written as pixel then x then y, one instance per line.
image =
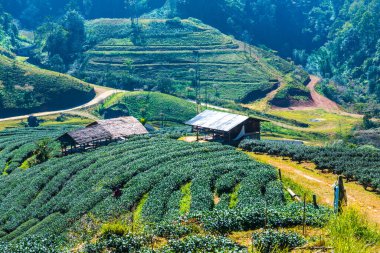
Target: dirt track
pixel 320 183
pixel 321 102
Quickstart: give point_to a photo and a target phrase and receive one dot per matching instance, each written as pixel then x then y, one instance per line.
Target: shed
pixel 227 127
pixel 101 132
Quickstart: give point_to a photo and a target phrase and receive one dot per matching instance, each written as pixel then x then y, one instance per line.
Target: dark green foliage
pixel 62 41
pixel 33 121
pixel 354 163
pixel 195 244
pixel 351 55
pixel 8 31
pixel 117 244
pixel 268 241
pixel 171 230
pixel 33 244
pixel 60 191
pixel 27 89
pixel 34 12
pixel 250 217
pixel 18 145
pixel 141 243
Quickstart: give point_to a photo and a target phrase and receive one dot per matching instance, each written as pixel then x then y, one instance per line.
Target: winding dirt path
pixel 308 177
pixel 101 95
pixel 320 101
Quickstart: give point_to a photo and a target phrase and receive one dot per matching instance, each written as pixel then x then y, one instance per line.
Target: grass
pixel 272 130
pixel 319 120
pixel 297 189
pixel 137 214
pixel 152 106
pixel 185 202
pixel 50 120
pixel 351 232
pixel 234 197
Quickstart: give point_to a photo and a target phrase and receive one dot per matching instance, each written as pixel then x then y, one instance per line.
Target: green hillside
pixel 152 106
pixel 17 146
pixel 155 179
pixel 159 55
pixel 26 89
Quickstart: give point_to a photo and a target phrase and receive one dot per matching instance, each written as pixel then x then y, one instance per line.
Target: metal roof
pixel 221 121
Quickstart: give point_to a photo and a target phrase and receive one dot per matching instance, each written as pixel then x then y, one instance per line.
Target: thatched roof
pixel 221 121
pixel 111 129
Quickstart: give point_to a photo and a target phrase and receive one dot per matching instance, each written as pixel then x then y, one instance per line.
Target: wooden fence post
pixel 315 201
pixel 304 214
pixel 280 174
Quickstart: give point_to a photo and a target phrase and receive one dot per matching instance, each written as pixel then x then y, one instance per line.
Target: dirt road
pixel 320 183
pixel 321 102
pixel 101 95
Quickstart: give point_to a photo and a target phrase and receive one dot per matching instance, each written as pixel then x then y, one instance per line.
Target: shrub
pixel 270 240
pixel 203 244
pixel 109 229
pixel 117 244
pixel 171 230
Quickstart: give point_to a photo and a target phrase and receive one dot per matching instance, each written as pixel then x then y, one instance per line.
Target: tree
pixel 73 23
pixel 165 85
pixel 43 151
pixel 367 123
pixel 33 121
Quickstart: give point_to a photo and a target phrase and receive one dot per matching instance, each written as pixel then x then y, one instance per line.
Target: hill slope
pixel 51 197
pixel 17 145
pixel 160 55
pixel 27 89
pixel 152 106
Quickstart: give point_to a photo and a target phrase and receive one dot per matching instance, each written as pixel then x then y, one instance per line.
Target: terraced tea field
pixel 126 57
pixel 17 145
pixel 149 173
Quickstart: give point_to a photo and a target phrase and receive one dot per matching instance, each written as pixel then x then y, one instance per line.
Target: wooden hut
pixel 101 132
pixel 226 127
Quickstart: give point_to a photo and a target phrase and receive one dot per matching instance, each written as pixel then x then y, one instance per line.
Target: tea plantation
pixel 17 145
pixel 147 175
pixel 159 54
pixel 26 89
pixel 356 164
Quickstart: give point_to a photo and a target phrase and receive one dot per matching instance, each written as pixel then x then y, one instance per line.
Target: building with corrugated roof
pixel 226 127
pixel 101 132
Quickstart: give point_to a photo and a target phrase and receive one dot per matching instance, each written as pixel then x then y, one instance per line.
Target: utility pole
pixel 197 80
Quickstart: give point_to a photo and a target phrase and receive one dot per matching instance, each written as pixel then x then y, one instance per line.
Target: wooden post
pixel 339 195
pixel 280 174
pixel 315 201
pixel 342 194
pixel 251 243
pixel 304 214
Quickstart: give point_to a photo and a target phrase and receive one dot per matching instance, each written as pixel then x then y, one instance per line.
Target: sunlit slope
pixel 53 196
pixel 26 89
pixel 162 51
